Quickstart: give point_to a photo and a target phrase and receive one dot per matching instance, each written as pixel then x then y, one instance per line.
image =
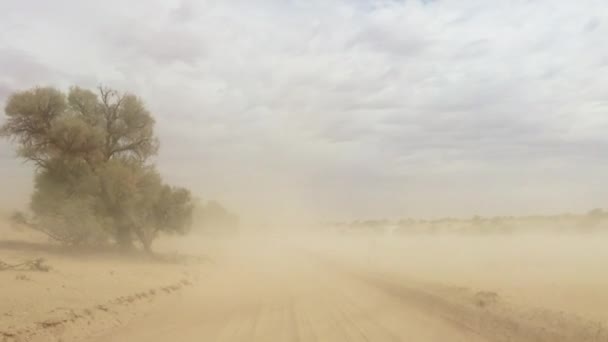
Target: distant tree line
pixel 595 220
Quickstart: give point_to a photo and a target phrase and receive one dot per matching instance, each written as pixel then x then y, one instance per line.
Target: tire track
pixel 294 322
pixel 381 332
pixel 492 325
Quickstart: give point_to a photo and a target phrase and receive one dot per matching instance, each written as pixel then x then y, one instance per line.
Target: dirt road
pixel 278 297
pixel 278 294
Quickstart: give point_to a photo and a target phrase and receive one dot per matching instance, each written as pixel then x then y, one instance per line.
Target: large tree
pixel 94 179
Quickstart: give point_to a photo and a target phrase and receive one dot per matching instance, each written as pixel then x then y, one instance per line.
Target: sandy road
pixel 274 296
pixel 281 294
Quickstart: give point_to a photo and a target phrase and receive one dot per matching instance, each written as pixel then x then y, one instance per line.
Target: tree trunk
pixel 124 238
pixel 146 238
pixel 147 243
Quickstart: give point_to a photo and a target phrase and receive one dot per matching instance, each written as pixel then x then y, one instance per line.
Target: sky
pixel 341 109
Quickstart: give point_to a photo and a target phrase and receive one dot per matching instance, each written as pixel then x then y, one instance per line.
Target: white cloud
pixel 346 107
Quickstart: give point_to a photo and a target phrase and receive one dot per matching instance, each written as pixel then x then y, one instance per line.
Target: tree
pixel 597 213
pixel 93 178
pixel 214 218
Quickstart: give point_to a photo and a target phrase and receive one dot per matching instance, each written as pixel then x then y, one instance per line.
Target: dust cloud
pixel 277 171
pixel 319 282
pixel 316 284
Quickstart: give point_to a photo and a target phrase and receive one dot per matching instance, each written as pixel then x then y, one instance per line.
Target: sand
pixel 84 293
pixel 296 287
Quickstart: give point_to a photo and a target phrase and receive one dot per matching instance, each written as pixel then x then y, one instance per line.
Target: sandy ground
pixel 556 272
pixel 273 293
pixel 84 292
pixel 302 288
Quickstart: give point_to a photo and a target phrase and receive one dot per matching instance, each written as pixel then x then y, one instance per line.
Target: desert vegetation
pixel 212 217
pixel 94 180
pixel 594 221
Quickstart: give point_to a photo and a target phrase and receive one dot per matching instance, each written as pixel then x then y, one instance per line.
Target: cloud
pixel 22 69
pixel 378 107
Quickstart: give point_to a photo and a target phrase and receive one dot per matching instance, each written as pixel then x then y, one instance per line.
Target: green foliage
pixel 73 221
pixel 93 179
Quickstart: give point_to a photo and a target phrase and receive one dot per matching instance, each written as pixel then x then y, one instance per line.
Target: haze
pixel 328 170
pixel 341 109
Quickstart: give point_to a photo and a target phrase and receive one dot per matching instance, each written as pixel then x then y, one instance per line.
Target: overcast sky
pixel 342 108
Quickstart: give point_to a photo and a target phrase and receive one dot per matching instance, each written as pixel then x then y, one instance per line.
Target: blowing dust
pixel 314 283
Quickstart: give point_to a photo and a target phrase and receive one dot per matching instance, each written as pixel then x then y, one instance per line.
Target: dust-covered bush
pixel 94 181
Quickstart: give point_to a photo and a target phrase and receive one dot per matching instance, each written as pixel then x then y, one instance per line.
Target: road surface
pixel 279 294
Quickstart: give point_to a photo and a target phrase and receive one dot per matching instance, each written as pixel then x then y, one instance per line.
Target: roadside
pixel 83 292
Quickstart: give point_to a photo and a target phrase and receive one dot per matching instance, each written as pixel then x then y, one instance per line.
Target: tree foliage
pixel 212 217
pixel 94 180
